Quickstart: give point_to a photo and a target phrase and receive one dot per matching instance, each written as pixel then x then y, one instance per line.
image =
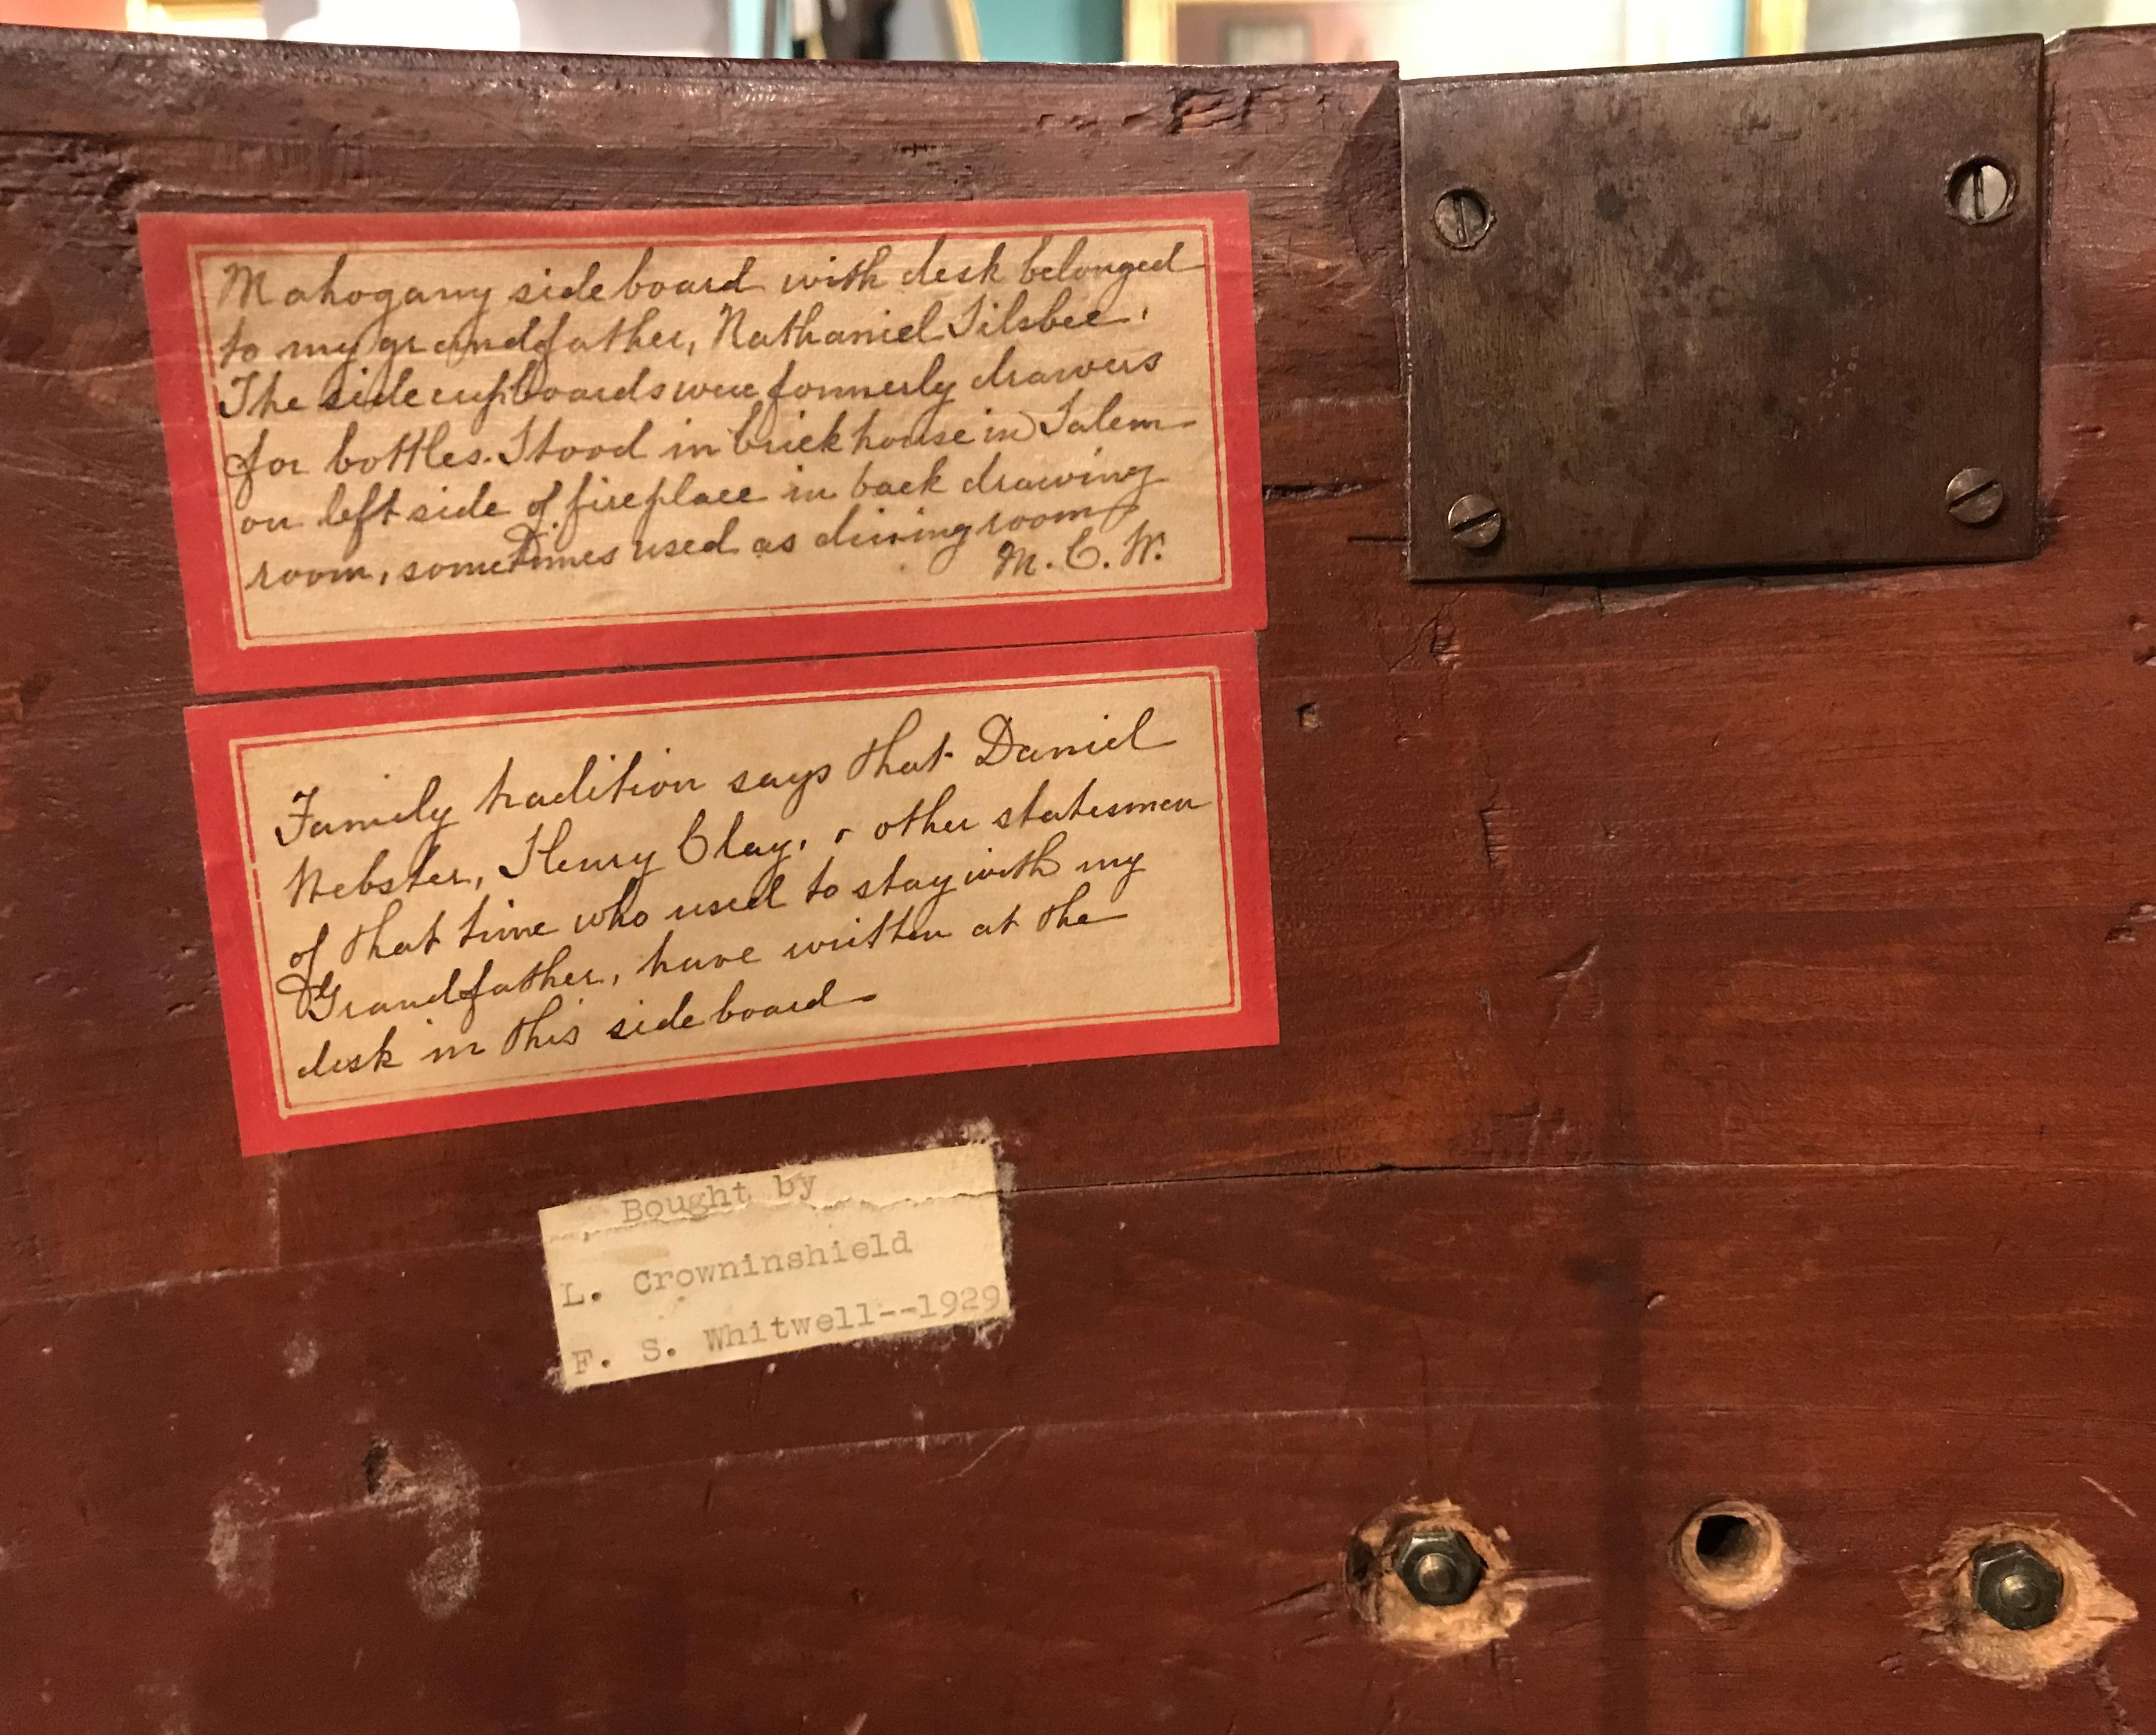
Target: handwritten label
pixel 425 445
pixel 440 907
pixel 745 1266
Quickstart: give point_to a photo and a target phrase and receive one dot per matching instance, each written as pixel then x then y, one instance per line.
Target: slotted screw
pixel 1474 521
pixel 1979 190
pixel 1974 495
pixel 1463 218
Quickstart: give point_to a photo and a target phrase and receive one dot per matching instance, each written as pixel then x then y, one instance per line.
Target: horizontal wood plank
pixel 1713 1063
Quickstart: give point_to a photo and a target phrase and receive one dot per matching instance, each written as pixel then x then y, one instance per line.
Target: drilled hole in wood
pixel 1726 1543
pixel 2078 1615
pixel 1732 1554
pixel 1377 1593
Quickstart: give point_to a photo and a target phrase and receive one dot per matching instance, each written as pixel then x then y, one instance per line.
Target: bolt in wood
pixel 1440 1567
pixel 2015 1586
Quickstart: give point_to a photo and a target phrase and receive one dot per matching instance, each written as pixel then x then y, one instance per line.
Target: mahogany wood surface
pixel 1716 1060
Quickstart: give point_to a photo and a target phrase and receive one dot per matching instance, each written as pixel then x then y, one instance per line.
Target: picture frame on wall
pixel 1429 38
pixel 1255 32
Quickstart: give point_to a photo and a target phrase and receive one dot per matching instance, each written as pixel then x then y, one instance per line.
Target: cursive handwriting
pixel 488 900
pixel 421 437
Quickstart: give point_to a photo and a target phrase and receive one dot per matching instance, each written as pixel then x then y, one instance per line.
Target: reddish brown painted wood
pixel 1769 949
pixel 936 1589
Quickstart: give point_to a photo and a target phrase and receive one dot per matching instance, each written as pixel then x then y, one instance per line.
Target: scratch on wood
pixel 981 1457
pixel 1201 111
pixel 2113 1498
pixel 1569 974
pixel 2114 1707
pixel 1312 1599
pixel 1575 966
pixel 1624 599
pixel 1496 833
pixel 2127 933
pixel 1284 493
pixel 274 1208
pixel 1504 1666
pixel 1434 639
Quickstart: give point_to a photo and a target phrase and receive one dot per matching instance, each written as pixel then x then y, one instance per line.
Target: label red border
pixel 213 731
pixel 223 664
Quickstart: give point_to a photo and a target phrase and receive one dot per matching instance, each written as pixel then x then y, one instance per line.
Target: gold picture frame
pixel 1149 33
pixel 1774 27
pixel 1771 27
pixel 240 18
pixel 965 25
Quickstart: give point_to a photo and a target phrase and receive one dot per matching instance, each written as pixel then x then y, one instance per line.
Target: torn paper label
pixel 741 1266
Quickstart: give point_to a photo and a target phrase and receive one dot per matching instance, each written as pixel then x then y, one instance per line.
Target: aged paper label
pixel 742 1266
pixel 502 441
pixel 444 906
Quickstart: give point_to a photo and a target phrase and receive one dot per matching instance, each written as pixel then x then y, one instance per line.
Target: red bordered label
pixel 421 446
pixel 449 906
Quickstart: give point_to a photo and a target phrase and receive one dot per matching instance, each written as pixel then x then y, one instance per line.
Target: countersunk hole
pixel 1974 1623
pixel 1462 218
pixel 1732 1554
pixel 1980 190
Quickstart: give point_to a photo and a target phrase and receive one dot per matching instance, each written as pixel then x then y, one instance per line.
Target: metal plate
pixel 1724 316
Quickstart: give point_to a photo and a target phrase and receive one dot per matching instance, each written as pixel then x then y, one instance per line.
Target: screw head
pixel 1474 521
pixel 1462 218
pixel 1980 191
pixel 1440 1567
pixel 2014 1585
pixel 1974 495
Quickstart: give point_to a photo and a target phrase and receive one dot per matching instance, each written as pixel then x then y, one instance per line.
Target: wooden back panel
pixel 1714 1061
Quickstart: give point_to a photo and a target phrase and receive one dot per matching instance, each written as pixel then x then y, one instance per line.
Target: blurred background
pixel 1428 38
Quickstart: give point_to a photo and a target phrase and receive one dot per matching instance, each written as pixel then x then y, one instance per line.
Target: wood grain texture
pixel 1714 1061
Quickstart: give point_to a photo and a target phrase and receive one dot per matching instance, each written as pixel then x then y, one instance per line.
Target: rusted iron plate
pixel 1726 316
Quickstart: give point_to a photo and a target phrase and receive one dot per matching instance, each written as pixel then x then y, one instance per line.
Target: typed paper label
pixel 742 1266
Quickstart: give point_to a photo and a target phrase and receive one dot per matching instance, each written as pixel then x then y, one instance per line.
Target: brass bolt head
pixel 1440 1567
pixel 2014 1585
